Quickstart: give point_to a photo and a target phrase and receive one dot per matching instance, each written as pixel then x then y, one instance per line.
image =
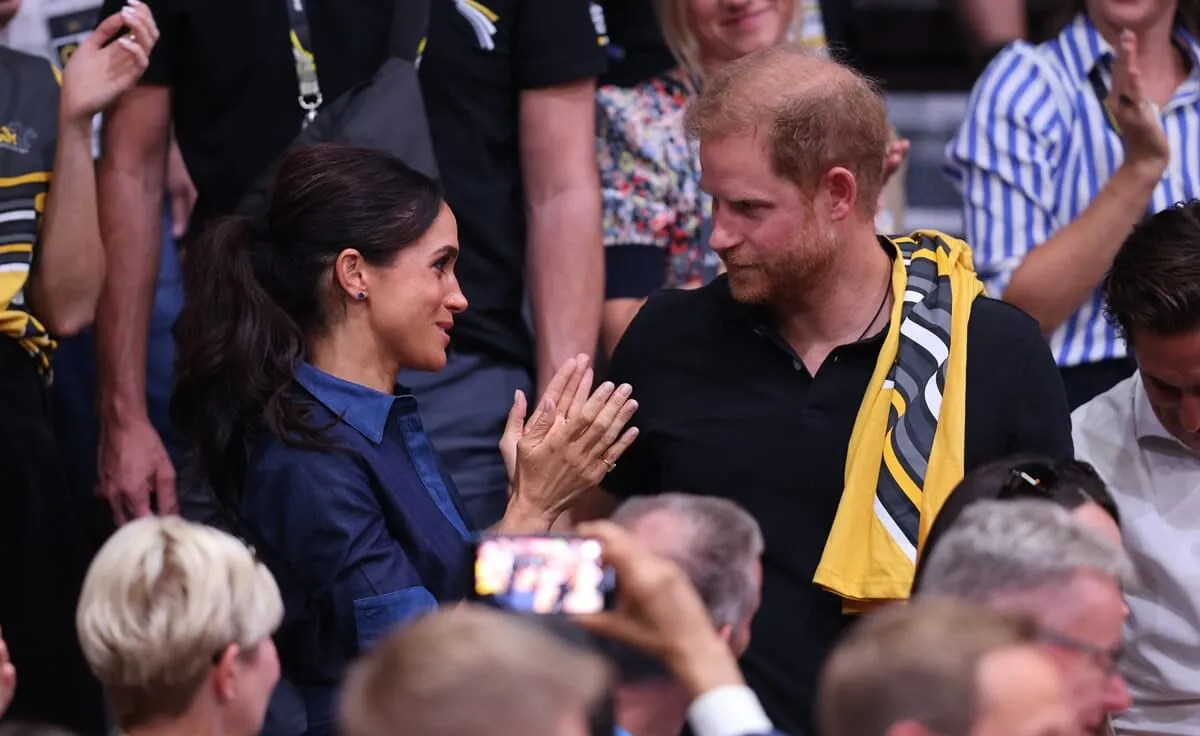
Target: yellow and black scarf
pixel 906 450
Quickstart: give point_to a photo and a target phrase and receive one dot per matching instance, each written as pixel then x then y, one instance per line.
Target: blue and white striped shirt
pixel 1034 150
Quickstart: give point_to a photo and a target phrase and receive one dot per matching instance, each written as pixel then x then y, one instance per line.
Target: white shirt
pixel 1155 480
pixel 732 710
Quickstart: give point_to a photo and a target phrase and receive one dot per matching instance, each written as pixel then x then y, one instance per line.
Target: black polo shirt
pixel 233 79
pixel 728 410
pixel 480 56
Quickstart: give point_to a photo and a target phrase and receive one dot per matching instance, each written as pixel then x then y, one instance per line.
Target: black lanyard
pixel 310 98
pixel 1096 77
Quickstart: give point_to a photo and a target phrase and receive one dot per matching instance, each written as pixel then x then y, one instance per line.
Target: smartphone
pixel 542 574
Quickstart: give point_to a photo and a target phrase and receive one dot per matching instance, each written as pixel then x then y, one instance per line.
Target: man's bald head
pixel 814 113
pixel 716 542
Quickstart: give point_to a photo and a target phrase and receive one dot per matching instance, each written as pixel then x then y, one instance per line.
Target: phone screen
pixel 542 574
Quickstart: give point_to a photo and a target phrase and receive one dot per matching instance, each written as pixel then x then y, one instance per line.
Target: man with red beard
pixel 835 383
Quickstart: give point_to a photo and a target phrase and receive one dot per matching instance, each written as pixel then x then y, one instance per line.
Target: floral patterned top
pixel 650 177
pixel 655 215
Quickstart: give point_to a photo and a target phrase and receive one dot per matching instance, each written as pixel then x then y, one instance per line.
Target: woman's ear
pixel 350 271
pixel 225 673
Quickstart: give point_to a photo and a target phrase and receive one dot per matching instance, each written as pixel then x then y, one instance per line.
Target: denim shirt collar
pixel 364 409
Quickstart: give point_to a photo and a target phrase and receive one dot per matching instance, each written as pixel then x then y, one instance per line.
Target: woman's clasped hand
pixel 575 437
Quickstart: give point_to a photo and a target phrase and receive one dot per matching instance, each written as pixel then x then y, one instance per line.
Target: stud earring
pixel 362 296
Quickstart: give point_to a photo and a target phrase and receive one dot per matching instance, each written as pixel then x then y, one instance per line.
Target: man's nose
pixel 720 239
pixel 1189 412
pixel 1116 694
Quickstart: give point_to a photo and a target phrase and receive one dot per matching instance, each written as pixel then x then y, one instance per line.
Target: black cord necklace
pixel 878 310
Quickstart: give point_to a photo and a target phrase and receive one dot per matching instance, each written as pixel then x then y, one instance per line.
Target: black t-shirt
pixel 233 79
pixel 726 409
pixel 479 57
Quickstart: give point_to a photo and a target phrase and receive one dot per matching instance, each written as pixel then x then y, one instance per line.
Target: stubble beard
pixel 789 276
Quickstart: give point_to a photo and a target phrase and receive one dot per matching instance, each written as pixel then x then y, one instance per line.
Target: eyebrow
pixel 446 250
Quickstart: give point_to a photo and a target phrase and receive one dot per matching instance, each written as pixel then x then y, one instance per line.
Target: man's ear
pixel 725 631
pixel 843 193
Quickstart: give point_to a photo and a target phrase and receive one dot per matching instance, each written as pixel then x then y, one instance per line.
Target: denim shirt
pixel 361 537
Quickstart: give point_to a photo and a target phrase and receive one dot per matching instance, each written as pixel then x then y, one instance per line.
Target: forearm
pixel 69 271
pixel 566 275
pixel 131 222
pixel 1058 276
pixel 617 315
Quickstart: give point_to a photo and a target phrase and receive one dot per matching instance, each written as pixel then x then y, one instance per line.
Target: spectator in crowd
pixel 637 50
pixel 657 219
pixel 54 29
pixel 509 88
pixel 477 672
pixel 1073 484
pixel 720 547
pixel 942 667
pixel 176 619
pixel 290 345
pixel 473 671
pixel 1142 436
pixel 50 266
pixel 1064 148
pixel 770 385
pixel 228 91
pixel 1029 557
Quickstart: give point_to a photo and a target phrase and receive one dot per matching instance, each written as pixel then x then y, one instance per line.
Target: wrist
pixel 123 408
pixel 522 517
pixel 702 665
pixel 1140 175
pixel 71 122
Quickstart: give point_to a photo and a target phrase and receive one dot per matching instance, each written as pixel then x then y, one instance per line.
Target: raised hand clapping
pixel 102 68
pixel 1137 118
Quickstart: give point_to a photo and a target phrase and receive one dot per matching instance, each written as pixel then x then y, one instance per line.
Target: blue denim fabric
pixel 362 536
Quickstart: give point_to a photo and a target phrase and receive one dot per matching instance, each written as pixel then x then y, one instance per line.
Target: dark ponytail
pixel 258 290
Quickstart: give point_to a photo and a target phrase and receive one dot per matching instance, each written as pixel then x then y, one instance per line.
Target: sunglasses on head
pixel 1032 480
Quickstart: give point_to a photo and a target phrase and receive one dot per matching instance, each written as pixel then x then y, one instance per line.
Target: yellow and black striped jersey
pixel 29 92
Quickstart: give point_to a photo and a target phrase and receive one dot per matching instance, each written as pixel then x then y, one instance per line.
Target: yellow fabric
pixel 15 320
pixel 861 561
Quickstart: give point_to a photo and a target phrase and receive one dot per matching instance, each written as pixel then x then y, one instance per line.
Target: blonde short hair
pixel 163 599
pixel 469 671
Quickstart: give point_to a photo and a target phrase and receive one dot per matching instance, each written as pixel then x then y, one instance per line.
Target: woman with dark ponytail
pixel 289 345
